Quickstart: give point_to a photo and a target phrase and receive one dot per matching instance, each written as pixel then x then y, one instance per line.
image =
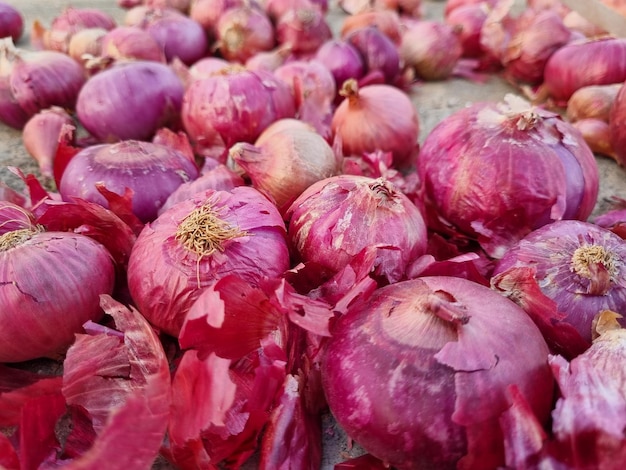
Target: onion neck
pixel 17 237
pixel 350 90
pixel 595 263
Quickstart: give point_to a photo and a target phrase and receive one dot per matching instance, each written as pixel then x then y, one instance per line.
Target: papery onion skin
pixel 337 217
pixel 579 265
pixel 130 101
pixel 536 169
pixel 151 171
pixel 165 277
pixel 418 373
pixel 377 117
pixel 51 286
pixel 15 217
pixel 11 22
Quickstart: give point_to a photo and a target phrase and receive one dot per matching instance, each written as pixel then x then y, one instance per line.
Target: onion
pixel 41 135
pixel 467 21
pixel 33 81
pixel 277 8
pixel 130 101
pixel 208 12
pixel 178 35
pixel 578 23
pixel 11 22
pixel 387 21
pixel 418 373
pixel 243 104
pixel 578 267
pixel 242 32
pixel 208 66
pixel 86 43
pixel 379 53
pixel 70 21
pixel 342 59
pixel 597 134
pixel 337 217
pixel 617 126
pixel 180 5
pixel 536 169
pixel 431 48
pixel 151 171
pixel 593 101
pixel 603 59
pixel 131 42
pixel 15 217
pixel 286 163
pixel 377 117
pixel 52 283
pixel 198 241
pixel 268 60
pixel 303 29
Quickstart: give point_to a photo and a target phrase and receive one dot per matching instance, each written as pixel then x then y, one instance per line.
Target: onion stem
pixel 586 256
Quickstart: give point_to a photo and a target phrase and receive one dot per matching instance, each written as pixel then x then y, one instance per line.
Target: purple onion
pixel 151 171
pixel 242 32
pixel 130 101
pixel 131 42
pixel 378 52
pixel 11 22
pixel 342 59
pixel 303 29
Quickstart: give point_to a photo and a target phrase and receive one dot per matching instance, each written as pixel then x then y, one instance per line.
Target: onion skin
pixel 303 29
pixel 387 21
pixel 337 217
pixel 593 101
pixel 165 278
pixel 243 32
pixel 15 217
pixel 151 171
pixel 130 101
pixel 488 194
pixel 11 22
pixel 51 286
pixel 597 134
pixel 418 373
pixel 617 126
pixel 131 42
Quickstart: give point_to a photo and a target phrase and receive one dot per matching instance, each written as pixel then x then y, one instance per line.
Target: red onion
pixel 243 104
pixel 66 24
pixel 536 169
pixel 468 21
pixel 303 29
pixel 11 22
pixel 337 217
pixel 151 171
pixel 418 373
pixel 593 101
pixel 342 59
pixel 617 126
pixel 431 48
pixel 41 135
pixel 33 81
pixel 597 134
pixel 131 42
pixel 377 117
pixel 268 60
pixel 379 53
pixel 603 59
pixel 578 267
pixel 177 34
pixel 180 5
pixel 52 282
pixel 198 241
pixel 242 32
pixel 208 66
pixel 387 21
pixel 85 44
pixel 286 163
pixel 277 8
pixel 130 101
pixel 452 5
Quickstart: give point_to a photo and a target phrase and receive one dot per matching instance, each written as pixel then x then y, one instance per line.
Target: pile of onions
pixel 130 100
pixel 419 373
pixel 11 22
pixel 52 282
pixel 150 171
pixel 564 274
pixel 195 243
pixel 333 220
pixel 31 81
pixel 536 169
pixel 377 117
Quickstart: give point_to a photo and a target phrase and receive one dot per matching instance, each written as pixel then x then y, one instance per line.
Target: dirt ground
pixel 433 101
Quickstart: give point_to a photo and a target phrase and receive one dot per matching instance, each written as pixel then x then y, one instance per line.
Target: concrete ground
pixel 433 101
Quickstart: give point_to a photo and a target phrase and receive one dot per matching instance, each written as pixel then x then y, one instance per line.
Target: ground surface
pixel 433 101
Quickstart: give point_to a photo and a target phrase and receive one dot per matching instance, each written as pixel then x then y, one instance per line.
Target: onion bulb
pixel 242 32
pixel 11 22
pixel 593 101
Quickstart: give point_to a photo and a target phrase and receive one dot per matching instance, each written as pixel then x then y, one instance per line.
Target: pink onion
pixel 33 81
pixel 198 241
pixel 303 29
pixel 337 217
pixel 597 134
pixel 70 21
pixel 11 22
pixel 342 59
pixel 242 32
pixel 41 135
pixel 151 171
pixel 180 5
pixel 418 373
pixel 431 48
pixel 604 60
pixel 593 101
pixel 208 12
pixel 536 169
pixel 242 104
pixel 451 5
pixel 208 66
pixel 130 101
pixel 85 44
pixel 379 53
pixel 617 126
pixel 578 267
pixel 52 283
pixel 385 20
pixel 377 117
pixel 131 42
pixel 276 8
pixel 468 21
pixel 286 163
